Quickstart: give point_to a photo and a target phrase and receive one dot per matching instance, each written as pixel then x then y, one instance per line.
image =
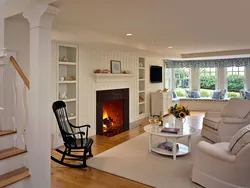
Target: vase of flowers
pixel 180 113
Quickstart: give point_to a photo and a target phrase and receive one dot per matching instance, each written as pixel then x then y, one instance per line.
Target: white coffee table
pixel 186 131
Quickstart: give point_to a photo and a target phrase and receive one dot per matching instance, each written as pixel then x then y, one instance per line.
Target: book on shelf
pixel 170 130
pixel 167 146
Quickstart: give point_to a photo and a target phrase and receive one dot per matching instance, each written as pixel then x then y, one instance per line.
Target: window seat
pixel 204 104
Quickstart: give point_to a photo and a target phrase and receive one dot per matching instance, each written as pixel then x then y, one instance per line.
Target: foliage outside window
pixel 235 81
pixel 181 80
pixel 207 81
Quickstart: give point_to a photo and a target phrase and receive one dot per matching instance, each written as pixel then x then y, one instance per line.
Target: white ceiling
pixel 190 26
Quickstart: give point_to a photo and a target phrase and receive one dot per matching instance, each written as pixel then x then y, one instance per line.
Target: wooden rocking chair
pixel 73 140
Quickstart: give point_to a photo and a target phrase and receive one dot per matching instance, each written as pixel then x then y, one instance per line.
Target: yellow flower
pixel 179 108
pixel 169 111
pixel 182 115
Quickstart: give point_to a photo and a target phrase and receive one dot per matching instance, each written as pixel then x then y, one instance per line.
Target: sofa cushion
pixel 174 94
pixel 212 122
pixel 239 140
pixel 216 95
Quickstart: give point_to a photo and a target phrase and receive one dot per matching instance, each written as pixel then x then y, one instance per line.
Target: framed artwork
pixel 115 66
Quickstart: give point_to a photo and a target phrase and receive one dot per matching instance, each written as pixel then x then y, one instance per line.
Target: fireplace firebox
pixel 112 112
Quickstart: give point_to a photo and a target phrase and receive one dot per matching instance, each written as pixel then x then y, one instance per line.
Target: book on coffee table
pixel 168 146
pixel 170 130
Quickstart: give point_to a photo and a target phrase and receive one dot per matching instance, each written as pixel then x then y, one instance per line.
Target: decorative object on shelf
pixel 168 146
pixel 141 65
pixel 71 114
pixel 115 66
pixel 98 71
pixel 165 90
pixel 125 72
pixel 64 59
pixel 71 78
pixel 64 95
pixel 141 99
pixel 180 113
pixel 62 78
pixel 105 71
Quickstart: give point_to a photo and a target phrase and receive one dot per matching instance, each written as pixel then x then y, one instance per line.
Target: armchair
pixel 216 166
pixel 221 126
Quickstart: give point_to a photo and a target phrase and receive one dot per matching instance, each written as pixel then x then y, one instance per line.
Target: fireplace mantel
pixel 112 77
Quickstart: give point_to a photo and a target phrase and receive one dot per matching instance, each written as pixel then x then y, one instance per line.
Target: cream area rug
pixel 132 160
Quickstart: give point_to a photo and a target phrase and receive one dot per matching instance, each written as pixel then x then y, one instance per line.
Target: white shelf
pixel 142 102
pixel 71 118
pixel 141 87
pixel 67 63
pixel 69 100
pixel 142 68
pixel 142 79
pixel 67 82
pixel 111 77
pixel 142 91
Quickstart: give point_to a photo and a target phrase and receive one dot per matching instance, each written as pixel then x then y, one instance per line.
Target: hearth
pixel 112 112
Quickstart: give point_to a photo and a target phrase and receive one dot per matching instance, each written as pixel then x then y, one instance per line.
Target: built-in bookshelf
pixel 67 79
pixel 142 85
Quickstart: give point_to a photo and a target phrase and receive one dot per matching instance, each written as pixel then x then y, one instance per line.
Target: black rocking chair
pixel 73 140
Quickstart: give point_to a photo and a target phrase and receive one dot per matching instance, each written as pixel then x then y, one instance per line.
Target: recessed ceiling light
pixel 153 42
pixel 128 34
pixel 170 47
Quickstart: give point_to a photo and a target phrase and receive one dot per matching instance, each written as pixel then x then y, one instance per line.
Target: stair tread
pixel 14 176
pixel 10 152
pixel 3 133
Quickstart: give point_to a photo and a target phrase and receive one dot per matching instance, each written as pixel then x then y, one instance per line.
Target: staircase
pixel 12 162
pixel 13 121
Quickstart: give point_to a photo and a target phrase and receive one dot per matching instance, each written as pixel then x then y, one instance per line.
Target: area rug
pixel 132 160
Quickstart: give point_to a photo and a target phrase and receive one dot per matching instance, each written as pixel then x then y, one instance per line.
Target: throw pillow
pixel 247 95
pixel 188 93
pixel 174 94
pixel 216 95
pixel 195 94
pixel 239 140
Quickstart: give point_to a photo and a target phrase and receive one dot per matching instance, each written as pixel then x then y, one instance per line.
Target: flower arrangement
pixel 179 111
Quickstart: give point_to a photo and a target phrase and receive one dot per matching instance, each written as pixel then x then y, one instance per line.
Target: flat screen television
pixel 155 74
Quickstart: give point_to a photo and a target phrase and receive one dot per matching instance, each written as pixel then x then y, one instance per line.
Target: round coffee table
pixel 186 131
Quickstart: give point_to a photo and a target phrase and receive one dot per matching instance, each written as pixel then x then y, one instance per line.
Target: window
pixel 182 81
pixel 207 81
pixel 235 81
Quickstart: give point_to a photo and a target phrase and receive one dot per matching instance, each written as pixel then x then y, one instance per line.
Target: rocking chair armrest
pixel 82 133
pixel 88 126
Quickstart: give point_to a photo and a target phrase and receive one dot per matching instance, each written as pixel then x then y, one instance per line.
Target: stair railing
pixel 13 100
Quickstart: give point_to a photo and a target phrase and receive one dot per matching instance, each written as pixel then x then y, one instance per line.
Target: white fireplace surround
pixel 118 81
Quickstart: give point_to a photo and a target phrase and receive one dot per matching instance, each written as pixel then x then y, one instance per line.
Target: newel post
pixel 40 17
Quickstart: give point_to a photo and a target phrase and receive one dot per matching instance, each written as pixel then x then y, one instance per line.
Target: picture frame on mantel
pixel 115 67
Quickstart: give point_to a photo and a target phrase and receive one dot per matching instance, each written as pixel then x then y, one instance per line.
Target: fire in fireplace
pixel 112 117
pixel 112 111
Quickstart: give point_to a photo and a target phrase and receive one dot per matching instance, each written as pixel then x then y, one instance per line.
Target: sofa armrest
pixel 213 114
pixel 233 120
pixel 218 151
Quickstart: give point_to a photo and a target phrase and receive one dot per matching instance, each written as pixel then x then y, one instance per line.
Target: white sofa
pixel 216 167
pixel 221 126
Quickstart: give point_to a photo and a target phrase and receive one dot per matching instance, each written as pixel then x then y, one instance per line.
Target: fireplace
pixel 112 112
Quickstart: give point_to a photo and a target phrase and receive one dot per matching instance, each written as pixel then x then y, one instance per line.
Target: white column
pixel 195 79
pixel 221 82
pixel 40 17
pixel 247 78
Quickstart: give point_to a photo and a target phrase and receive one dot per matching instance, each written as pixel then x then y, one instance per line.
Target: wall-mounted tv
pixel 155 74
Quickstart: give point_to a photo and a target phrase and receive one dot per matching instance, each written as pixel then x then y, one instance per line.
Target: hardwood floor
pixel 64 177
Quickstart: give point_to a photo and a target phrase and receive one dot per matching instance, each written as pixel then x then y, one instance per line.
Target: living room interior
pixel 160 88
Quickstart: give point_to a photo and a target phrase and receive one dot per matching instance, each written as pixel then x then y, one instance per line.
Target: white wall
pixel 17 38
pixel 92 58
